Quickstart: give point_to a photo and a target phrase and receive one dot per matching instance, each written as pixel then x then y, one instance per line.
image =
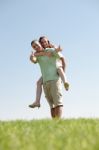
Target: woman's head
pixel 45 42
pixel 36 46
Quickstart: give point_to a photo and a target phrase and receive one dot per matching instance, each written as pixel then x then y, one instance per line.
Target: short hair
pixel 33 42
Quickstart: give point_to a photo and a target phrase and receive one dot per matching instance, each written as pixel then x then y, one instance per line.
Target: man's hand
pixel 33 58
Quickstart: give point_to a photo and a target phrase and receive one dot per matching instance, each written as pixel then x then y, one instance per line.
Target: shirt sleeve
pixel 60 55
pixel 57 54
pixel 54 53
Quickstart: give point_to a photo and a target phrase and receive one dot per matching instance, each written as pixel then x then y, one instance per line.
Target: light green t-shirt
pixel 48 65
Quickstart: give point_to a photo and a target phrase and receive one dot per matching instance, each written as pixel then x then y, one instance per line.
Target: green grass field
pixel 69 134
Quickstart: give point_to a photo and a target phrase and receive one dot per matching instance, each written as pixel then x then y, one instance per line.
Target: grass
pixel 69 134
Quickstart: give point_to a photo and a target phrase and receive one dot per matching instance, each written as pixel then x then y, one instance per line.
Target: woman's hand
pixel 58 49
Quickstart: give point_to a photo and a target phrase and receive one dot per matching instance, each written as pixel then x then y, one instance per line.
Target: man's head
pixel 36 46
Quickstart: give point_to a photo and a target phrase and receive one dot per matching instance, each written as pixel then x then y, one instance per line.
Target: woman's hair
pixel 50 45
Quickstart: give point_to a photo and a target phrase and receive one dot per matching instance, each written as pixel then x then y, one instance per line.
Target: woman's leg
pixel 38 94
pixel 39 90
pixel 63 77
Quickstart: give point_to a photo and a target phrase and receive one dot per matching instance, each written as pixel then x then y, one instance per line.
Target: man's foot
pixel 35 104
pixel 66 85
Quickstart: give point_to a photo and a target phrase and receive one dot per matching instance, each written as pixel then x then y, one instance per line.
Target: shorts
pixel 53 92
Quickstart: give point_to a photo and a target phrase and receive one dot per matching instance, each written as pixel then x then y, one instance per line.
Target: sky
pixel 72 24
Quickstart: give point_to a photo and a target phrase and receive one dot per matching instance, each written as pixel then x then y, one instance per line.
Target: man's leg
pixel 53 112
pixel 56 92
pixel 46 87
pixel 58 111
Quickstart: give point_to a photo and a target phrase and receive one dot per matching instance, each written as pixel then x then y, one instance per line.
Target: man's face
pixel 37 46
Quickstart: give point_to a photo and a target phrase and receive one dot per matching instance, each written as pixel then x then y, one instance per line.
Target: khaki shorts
pixel 53 92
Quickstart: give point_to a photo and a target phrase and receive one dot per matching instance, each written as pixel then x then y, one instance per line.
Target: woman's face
pixel 37 46
pixel 44 42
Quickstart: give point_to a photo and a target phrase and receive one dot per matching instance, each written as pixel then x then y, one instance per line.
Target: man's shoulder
pixel 49 49
pixel 60 55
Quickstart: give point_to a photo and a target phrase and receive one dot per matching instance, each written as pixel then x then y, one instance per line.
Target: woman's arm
pixel 58 49
pixel 43 54
pixel 39 53
pixel 48 53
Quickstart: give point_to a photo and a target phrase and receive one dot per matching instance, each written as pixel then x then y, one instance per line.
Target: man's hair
pixel 33 42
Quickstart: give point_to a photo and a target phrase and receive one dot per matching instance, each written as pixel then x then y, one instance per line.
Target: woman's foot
pixel 35 104
pixel 66 85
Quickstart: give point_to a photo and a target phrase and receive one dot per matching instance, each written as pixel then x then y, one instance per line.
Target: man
pixel 51 81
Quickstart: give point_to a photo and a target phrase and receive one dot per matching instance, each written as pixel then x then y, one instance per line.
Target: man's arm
pixel 33 58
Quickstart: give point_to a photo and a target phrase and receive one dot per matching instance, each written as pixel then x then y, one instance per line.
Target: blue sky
pixel 72 24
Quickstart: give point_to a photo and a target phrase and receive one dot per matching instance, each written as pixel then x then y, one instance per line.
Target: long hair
pixel 50 45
